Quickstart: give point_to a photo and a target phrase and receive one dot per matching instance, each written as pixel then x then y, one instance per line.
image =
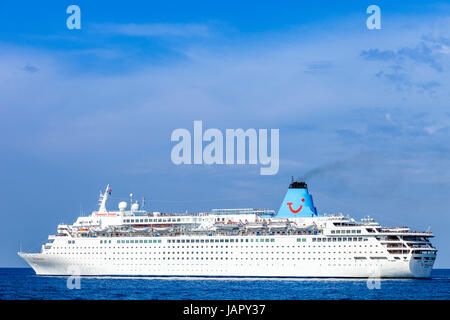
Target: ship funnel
pixel 297 202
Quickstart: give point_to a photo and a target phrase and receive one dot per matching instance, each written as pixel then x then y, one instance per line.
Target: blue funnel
pixel 297 202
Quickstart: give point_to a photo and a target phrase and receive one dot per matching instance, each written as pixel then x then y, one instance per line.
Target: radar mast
pixel 102 200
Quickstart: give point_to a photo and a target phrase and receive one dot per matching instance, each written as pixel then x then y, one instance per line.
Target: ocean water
pixel 22 283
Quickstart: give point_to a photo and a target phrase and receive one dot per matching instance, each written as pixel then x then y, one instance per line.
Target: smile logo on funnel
pixel 295 211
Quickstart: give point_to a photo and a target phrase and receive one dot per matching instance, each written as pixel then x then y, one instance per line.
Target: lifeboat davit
pixel 162 229
pixel 254 226
pixel 141 229
pixel 277 226
pixel 100 229
pixel 227 226
pixel 303 226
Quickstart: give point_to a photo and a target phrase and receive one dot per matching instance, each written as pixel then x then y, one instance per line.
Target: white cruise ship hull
pixel 49 266
pixel 285 257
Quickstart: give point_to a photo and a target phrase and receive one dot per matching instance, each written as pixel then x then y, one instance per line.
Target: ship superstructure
pixel 297 241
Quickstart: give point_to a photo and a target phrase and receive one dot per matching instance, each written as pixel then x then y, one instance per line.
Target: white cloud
pixel 267 81
pixel 156 29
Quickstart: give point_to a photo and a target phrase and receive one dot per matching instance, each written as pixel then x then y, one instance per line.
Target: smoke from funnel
pixel 327 168
pixel 343 168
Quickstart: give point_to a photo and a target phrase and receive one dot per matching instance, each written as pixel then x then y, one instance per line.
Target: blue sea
pixel 22 283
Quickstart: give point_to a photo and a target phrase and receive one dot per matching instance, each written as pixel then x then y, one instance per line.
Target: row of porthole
pixel 222 270
pixel 217 258
pixel 246 253
pixel 206 247
pixel 212 251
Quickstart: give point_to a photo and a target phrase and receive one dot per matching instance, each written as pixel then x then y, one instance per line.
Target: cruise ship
pixel 296 241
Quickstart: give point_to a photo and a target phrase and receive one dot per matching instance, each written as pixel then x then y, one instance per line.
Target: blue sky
pixel 363 114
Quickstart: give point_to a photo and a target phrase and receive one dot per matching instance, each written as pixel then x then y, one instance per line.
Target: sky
pixel 363 114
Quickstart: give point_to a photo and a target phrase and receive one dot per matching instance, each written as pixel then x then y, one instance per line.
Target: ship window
pixel 353 231
pixel 272 240
pixel 332 231
pixel 338 231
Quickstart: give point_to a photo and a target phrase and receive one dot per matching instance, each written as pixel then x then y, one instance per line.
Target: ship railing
pixel 403 230
pixel 118 234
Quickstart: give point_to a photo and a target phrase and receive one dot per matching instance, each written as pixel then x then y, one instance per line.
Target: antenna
pixel 142 203
pixel 131 199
